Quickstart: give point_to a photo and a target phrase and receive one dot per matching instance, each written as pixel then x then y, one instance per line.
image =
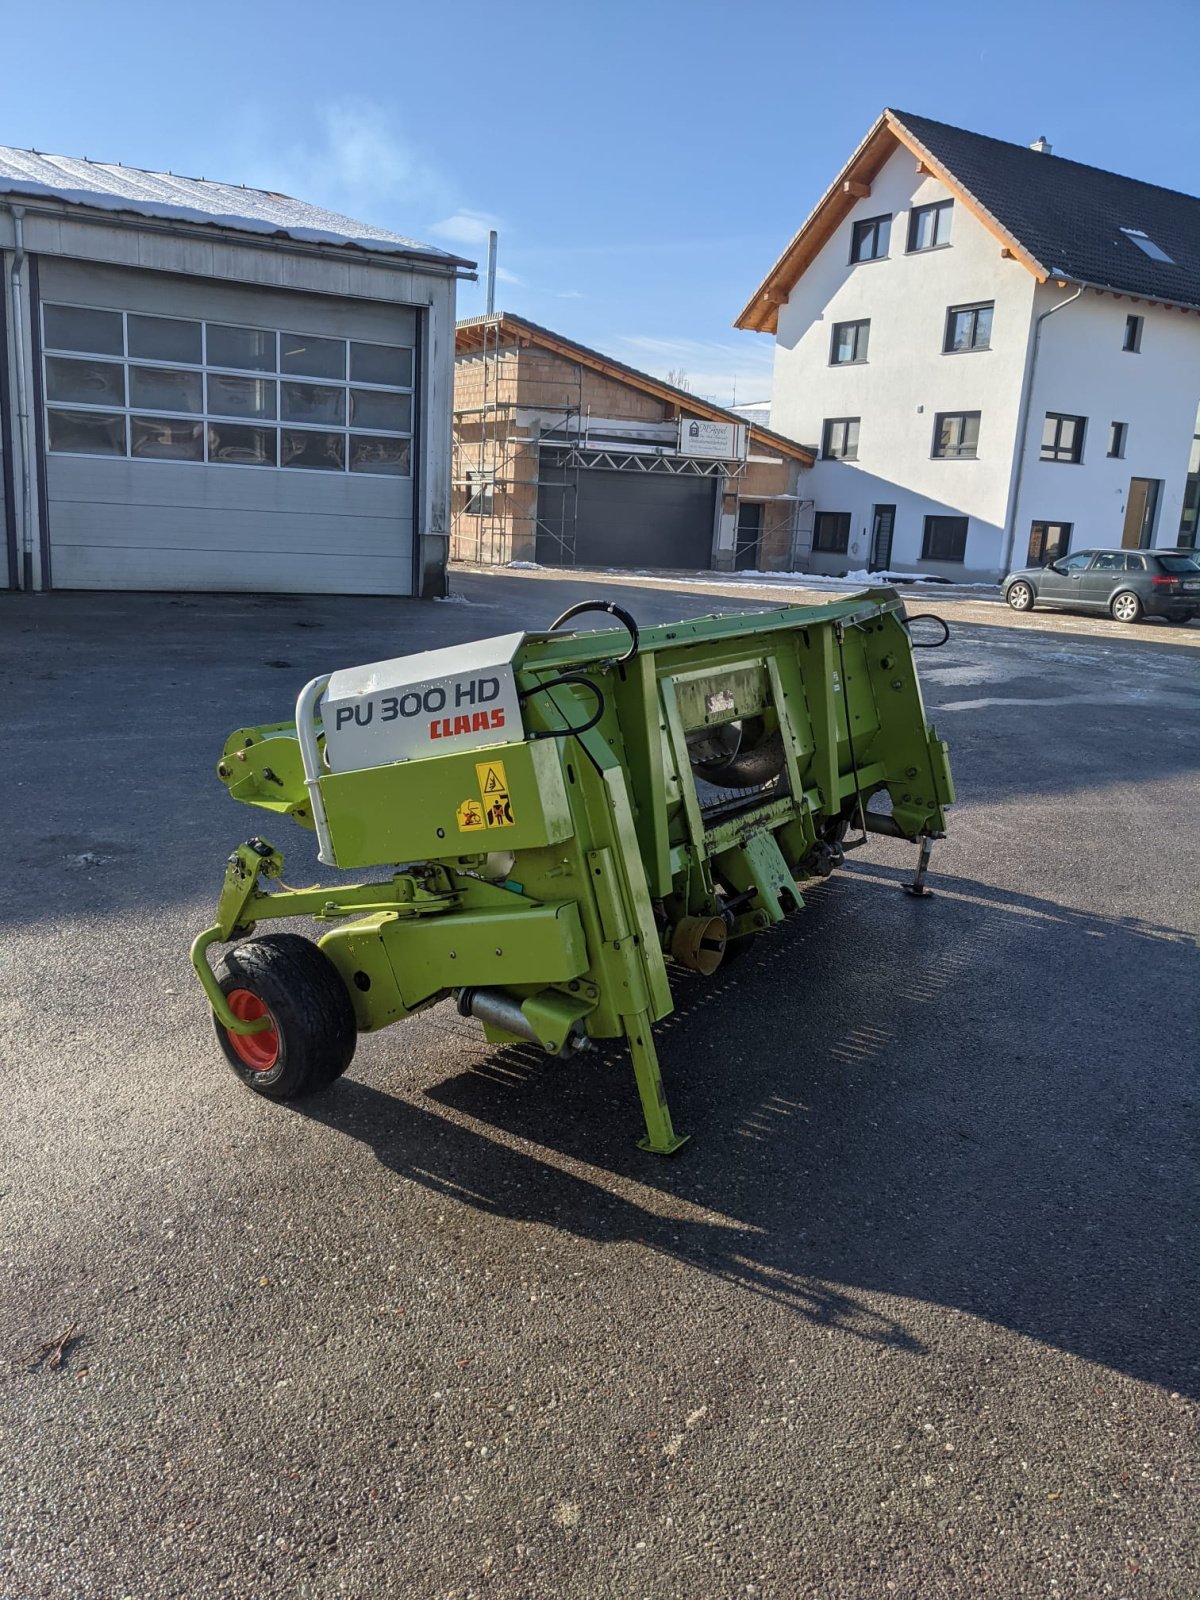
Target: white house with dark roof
pixel 996 351
pixel 204 386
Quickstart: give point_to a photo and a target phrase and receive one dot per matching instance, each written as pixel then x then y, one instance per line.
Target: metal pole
pixel 491 272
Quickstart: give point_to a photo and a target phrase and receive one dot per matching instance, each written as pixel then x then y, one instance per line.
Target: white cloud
pixel 465 227
pixel 354 158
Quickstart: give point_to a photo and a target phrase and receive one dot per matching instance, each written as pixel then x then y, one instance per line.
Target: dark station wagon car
pixel 1127 584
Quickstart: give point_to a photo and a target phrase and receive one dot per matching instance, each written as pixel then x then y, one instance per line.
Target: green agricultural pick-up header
pixel 564 816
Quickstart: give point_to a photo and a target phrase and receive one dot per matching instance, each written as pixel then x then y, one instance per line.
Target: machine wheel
pixel 294 983
pixel 1020 596
pixel 1126 607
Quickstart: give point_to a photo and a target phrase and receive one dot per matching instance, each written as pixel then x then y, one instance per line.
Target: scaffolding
pixel 523 436
pixel 497 455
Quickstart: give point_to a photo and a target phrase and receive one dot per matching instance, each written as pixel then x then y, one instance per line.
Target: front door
pixel 1140 510
pixel 883 524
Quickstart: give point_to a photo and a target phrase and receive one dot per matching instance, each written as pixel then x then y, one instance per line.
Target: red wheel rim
pixel 258 1051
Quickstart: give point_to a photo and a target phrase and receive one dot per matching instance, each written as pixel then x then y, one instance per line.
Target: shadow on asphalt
pixel 890 1100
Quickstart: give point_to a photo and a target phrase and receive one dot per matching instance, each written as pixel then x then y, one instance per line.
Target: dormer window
pixel 1147 245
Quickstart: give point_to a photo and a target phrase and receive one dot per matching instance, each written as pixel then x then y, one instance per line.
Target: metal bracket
pixel 917 888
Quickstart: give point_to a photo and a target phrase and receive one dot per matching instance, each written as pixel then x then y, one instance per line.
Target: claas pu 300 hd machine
pixel 565 816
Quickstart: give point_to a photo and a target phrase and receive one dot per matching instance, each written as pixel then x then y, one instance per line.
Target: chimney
pixel 1042 146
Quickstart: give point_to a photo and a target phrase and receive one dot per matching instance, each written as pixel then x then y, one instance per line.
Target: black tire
pixel 1020 595
pixel 1127 603
pixel 315 1032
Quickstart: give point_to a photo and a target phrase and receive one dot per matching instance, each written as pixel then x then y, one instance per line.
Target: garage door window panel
pixel 309 357
pixel 246 349
pixel 230 396
pixel 320 452
pixel 166 438
pixel 166 389
pixel 376 408
pixel 236 445
pixel 98 333
pixel 88 383
pixel 312 402
pixel 165 339
pixel 374 453
pixel 90 433
pixel 386 365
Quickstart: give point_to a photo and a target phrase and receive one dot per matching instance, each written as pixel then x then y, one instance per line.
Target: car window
pixel 1077 562
pixel 1135 563
pixel 1176 564
pixel 1109 561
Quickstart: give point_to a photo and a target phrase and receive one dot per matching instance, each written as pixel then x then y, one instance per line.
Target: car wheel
pixel 1126 607
pixel 1020 596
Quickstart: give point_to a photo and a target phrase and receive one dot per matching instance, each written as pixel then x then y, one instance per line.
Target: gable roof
pixel 101 186
pixel 1059 218
pixel 471 333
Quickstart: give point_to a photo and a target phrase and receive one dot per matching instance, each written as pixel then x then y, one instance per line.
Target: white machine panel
pixel 430 704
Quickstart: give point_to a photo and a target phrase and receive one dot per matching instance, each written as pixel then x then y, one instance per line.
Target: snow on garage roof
pixel 31 175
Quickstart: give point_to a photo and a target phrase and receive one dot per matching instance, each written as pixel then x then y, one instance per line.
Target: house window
pixel 945 539
pixel 1133 334
pixel 1116 438
pixel 929 226
pixel 1062 437
pixel 969 327
pixel 480 490
pixel 1147 245
pixel 839 439
pixel 1048 541
pixel 870 239
pixel 849 343
pixel 956 435
pixel 831 532
pixel 177 389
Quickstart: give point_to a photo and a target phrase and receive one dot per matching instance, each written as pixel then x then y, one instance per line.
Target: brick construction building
pixel 566 457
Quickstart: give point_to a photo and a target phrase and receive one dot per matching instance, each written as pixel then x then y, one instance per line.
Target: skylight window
pixel 1147 245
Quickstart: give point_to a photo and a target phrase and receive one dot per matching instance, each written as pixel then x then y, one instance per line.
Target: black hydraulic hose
pixel 614 610
pixel 928 644
pixel 577 678
pixel 553 683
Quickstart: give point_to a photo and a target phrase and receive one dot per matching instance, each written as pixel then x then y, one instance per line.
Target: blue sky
pixel 644 162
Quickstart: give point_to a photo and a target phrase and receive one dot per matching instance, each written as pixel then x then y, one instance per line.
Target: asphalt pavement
pixel 914 1314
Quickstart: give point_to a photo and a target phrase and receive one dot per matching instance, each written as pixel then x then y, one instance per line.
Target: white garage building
pixel 209 387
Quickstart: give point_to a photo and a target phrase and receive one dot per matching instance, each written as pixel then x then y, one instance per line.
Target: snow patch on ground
pixel 820 580
pixel 525 566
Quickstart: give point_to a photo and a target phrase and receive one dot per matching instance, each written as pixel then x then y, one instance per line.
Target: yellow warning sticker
pixel 493 790
pixel 470 817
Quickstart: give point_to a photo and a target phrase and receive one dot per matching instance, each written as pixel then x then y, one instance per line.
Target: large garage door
pixel 202 435
pixel 593 518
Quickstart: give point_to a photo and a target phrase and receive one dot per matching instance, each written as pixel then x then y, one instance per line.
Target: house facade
pixel 567 457
pixel 209 387
pixel 982 343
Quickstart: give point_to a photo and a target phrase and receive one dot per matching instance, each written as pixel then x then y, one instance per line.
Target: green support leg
pixel 661 1138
